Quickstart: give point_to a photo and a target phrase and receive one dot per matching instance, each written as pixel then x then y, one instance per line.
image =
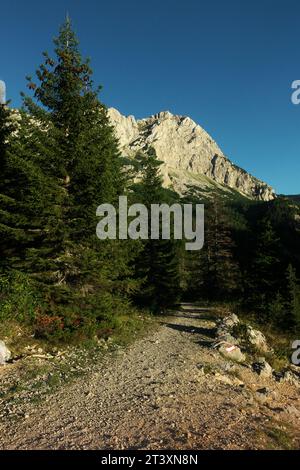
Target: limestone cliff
pixel 189 154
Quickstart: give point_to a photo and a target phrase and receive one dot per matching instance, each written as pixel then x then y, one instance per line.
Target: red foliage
pixel 46 325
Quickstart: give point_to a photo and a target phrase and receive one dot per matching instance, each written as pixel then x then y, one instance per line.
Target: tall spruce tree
pixel 264 279
pixel 220 271
pixel 85 163
pixel 62 162
pixel 158 262
pixel 6 202
pixel 25 193
pixel 293 299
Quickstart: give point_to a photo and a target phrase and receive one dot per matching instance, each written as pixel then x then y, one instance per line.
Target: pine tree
pixel 158 263
pixel 62 162
pixel 193 274
pixel 5 131
pixel 86 162
pixel 264 279
pixel 193 263
pixel 293 296
pixel 221 276
pixel 27 196
pixel 6 235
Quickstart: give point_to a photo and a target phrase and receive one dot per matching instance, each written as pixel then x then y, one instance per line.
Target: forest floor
pixel 166 390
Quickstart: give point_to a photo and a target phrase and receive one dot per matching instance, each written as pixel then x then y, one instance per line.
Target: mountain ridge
pixel 188 153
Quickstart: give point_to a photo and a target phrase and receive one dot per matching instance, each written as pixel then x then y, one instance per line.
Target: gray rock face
pixel 5 353
pixel 189 154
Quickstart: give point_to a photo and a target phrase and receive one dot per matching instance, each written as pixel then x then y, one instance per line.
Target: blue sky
pixel 228 64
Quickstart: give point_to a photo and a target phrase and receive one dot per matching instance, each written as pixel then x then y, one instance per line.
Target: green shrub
pixel 71 316
pixel 19 298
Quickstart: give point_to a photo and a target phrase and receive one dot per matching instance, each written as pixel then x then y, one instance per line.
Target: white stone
pixel 5 353
pixel 232 352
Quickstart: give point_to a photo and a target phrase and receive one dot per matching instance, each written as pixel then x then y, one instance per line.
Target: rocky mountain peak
pixel 190 155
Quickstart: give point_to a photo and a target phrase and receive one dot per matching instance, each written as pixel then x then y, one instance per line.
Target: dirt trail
pixel 156 394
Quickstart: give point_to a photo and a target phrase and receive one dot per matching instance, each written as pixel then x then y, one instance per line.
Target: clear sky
pixel 228 64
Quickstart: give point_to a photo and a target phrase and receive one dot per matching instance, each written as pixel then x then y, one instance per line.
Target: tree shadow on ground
pixel 196 315
pixel 196 330
pixel 210 311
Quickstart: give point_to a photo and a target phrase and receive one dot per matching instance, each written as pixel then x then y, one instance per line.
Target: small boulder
pixel 223 378
pixel 230 321
pixel 287 376
pixel 226 337
pixel 5 353
pixel 229 380
pixel 262 368
pixel 231 351
pixel 291 378
pixel 257 339
pixel 224 329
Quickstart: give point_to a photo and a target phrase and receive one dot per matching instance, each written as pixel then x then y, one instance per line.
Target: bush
pixel 277 311
pixel 46 326
pixel 19 298
pixel 61 314
pixel 70 316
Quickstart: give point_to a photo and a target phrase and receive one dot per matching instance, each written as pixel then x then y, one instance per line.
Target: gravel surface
pixel 168 390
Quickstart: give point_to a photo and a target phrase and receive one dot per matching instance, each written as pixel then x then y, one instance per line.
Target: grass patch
pixel 209 369
pixel 279 439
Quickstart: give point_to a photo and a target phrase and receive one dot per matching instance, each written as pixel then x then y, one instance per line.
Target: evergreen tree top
pixel 65 84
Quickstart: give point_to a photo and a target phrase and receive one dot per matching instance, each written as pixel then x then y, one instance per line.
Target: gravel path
pixel 167 390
